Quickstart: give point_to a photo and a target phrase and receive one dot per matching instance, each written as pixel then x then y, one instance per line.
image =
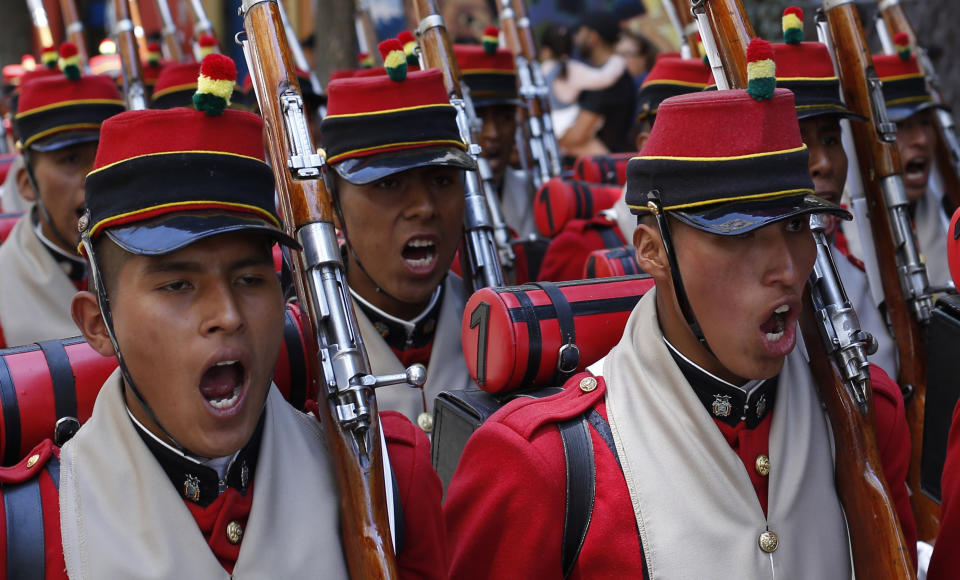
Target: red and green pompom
pixel 364 60
pixel 394 59
pixel 153 53
pixel 901 43
pixel 70 61
pixel 28 63
pixel 761 71
pixel 218 77
pixel 107 46
pixel 793 25
pixel 208 45
pixel 50 57
pixel 409 43
pixel 491 39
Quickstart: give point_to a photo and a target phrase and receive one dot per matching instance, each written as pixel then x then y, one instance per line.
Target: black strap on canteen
pixel 23 507
pixel 61 375
pixel 11 416
pixel 609 236
pixel 581 489
pixel 569 355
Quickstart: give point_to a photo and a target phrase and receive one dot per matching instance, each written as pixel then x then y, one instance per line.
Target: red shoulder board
pixel 581 392
pixel 31 464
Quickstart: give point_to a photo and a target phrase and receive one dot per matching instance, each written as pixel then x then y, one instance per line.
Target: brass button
pixel 588 384
pixel 763 465
pixel 33 460
pixel 234 532
pixel 425 421
pixel 769 541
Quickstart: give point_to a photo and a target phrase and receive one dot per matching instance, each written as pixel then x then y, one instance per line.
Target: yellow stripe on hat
pixel 185 205
pixel 391 146
pixel 159 153
pixel 59 104
pixel 387 111
pixel 731 158
pixel 61 129
pixel 770 195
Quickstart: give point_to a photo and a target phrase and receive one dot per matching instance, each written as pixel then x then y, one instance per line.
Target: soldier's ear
pixel 651 255
pixel 24 185
pixel 86 315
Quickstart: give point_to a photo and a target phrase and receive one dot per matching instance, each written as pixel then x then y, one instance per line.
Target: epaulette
pixel 31 465
pixel 526 415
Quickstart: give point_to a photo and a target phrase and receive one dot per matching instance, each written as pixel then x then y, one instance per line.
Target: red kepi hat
pixel 727 162
pixel 164 179
pixel 380 125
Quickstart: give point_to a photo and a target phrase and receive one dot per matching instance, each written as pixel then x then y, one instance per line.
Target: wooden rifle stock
pixel 879 161
pixel 947 150
pixel 74 29
pixel 130 67
pixel 685 26
pixel 877 542
pixel 731 30
pixel 171 38
pixel 338 369
pixel 38 15
pixel 479 252
pixel 367 31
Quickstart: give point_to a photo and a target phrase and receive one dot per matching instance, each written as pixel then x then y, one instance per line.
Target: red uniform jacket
pixel 945 562
pixel 568 251
pixel 424 553
pixel 506 503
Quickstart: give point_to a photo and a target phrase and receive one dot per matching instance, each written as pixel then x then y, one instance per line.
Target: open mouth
pixel 420 253
pixel 916 169
pixel 222 384
pixel 774 326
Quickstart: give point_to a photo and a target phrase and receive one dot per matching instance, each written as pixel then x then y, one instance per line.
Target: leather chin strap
pixel 656 208
pixel 331 186
pixel 104 302
pixel 42 209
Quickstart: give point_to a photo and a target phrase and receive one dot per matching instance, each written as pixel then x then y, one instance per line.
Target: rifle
pixel 201 24
pixel 133 88
pixel 903 275
pixel 893 19
pixel 832 334
pixel 74 29
pixel 367 32
pixel 339 369
pixel 678 11
pixel 38 14
pixel 479 248
pixel 299 59
pixel 171 37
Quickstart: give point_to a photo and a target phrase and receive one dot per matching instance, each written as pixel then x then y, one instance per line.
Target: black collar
pixel 400 334
pixel 74 267
pixel 724 401
pixel 201 484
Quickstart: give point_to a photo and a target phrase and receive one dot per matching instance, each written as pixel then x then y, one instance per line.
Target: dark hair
pixel 558 39
pixel 605 24
pixel 110 259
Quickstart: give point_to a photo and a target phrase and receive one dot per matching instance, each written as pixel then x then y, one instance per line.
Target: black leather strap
pixel 603 430
pixel 569 356
pixel 545 200
pixel 61 375
pixel 535 342
pixel 581 489
pixel 11 415
pixel 24 524
pixel 298 366
pixel 609 236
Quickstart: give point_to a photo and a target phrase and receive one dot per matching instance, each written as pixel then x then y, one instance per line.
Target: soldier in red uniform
pixel 399 160
pixel 57 122
pixel 192 465
pixel 703 448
